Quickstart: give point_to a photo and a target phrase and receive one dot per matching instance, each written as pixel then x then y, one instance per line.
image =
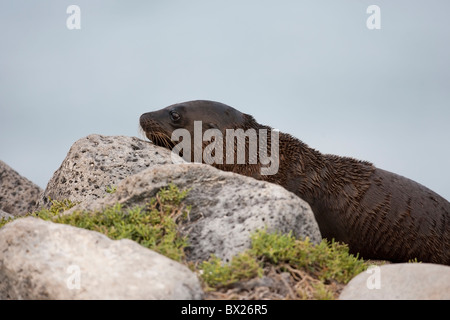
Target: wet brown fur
pixel 379 214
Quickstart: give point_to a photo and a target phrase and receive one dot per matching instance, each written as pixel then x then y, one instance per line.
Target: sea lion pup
pixel 379 214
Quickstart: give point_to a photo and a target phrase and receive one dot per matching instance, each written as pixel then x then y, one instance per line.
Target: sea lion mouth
pixel 155 133
pixel 160 139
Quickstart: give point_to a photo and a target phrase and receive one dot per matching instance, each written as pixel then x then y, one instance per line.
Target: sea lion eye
pixel 175 116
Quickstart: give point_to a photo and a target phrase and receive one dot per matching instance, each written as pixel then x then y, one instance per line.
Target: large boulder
pixel 97 162
pixel 226 207
pixel 18 195
pixel 44 260
pixel 402 281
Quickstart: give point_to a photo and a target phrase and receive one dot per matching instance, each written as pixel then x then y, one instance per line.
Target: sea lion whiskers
pixel 162 139
pixel 158 137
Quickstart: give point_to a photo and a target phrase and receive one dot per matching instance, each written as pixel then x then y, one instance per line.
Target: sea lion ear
pixel 249 121
pixel 211 125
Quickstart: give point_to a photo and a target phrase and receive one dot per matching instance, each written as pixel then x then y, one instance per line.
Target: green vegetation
pixel 322 264
pixel 153 227
pixel 111 189
pixel 244 266
pixel 327 260
pixel 4 221
pixel 56 208
pixel 301 269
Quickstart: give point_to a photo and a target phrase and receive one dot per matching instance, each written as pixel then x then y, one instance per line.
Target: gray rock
pixel 18 195
pixel 44 260
pixel 97 162
pixel 5 215
pixel 226 207
pixel 402 281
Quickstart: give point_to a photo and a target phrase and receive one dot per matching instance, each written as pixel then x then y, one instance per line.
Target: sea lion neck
pixel 328 183
pixel 298 159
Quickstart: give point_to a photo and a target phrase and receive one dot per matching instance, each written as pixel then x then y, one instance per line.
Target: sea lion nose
pixel 143 120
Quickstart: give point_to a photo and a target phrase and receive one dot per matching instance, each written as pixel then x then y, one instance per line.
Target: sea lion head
pixel 159 125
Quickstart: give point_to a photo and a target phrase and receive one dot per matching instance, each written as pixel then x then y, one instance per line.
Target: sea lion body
pixel 379 214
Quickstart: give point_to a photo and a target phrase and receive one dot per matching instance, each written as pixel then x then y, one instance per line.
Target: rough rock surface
pixel 97 162
pixel 402 281
pixel 5 215
pixel 18 195
pixel 44 260
pixel 226 207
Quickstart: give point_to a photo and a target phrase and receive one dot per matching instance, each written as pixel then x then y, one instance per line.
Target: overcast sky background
pixel 309 68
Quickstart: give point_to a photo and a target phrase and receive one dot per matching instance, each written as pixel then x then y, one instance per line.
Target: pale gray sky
pixel 309 68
